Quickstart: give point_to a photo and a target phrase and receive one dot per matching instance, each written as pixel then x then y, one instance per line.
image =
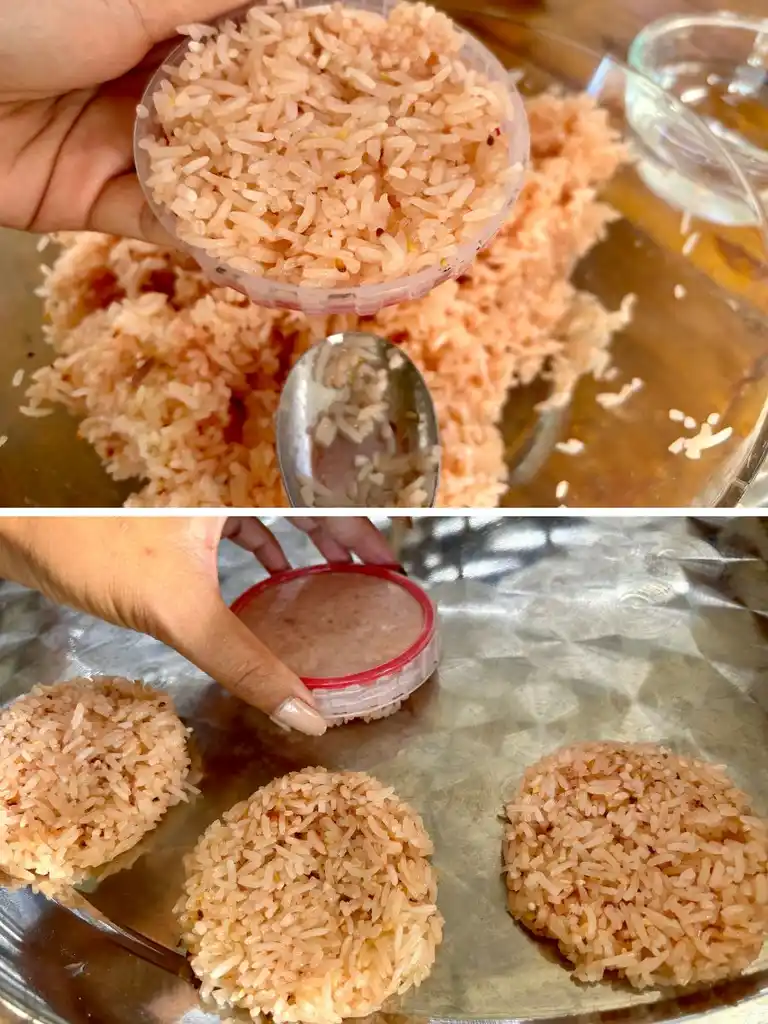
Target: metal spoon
pixel 141 946
pixel 305 399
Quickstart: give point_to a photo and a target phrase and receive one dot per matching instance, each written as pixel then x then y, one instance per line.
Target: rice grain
pixel 638 863
pixel 312 901
pixel 87 768
pixel 301 116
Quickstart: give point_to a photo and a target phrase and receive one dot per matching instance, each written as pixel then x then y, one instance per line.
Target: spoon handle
pixel 139 945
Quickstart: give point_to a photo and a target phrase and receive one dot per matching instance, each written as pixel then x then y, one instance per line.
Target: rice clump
pixel 87 768
pixel 331 145
pixel 176 382
pixel 638 862
pixel 313 900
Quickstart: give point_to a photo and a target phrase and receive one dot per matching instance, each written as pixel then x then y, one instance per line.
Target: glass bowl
pixel 702 354
pixel 717 65
pixel 363 299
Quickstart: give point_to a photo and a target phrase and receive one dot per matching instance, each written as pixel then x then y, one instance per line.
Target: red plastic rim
pixel 370 675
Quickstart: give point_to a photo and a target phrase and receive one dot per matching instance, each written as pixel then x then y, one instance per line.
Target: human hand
pixel 159 576
pixel 71 75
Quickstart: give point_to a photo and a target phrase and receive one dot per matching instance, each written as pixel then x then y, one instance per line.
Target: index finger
pixel 335 537
pixel 250 533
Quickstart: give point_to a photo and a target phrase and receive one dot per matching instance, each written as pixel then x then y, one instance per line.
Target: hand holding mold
pixel 71 77
pixel 159 576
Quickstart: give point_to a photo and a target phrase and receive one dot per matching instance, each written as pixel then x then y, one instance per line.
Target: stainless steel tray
pixel 553 631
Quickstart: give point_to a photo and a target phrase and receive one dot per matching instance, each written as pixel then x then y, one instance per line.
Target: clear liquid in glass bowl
pixel 717 66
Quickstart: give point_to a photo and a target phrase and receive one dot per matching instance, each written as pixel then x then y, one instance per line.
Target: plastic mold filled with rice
pixel 176 382
pixel 312 901
pixel 87 768
pixel 362 638
pixel 332 157
pixel 638 863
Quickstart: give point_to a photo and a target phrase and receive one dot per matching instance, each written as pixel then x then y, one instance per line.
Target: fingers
pixel 209 635
pixel 358 534
pixel 331 549
pixel 400 527
pixel 121 209
pixel 336 538
pixel 249 533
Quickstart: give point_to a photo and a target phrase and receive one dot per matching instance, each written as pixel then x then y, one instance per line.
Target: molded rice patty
pixel 87 768
pixel 640 862
pixel 313 900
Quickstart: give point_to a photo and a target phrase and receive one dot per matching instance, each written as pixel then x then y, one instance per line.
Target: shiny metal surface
pixel 707 353
pixel 553 631
pixel 141 946
pixel 304 399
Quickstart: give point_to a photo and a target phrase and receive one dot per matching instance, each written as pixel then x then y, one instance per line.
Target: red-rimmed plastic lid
pixel 371 675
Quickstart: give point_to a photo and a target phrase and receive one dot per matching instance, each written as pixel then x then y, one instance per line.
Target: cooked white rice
pixel 87 767
pixel 312 901
pixel 638 863
pixel 330 145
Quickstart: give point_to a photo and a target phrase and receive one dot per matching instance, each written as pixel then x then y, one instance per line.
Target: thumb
pixel 162 20
pixel 121 209
pixel 217 642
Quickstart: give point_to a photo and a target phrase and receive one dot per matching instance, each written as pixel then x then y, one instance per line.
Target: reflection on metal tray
pixel 554 631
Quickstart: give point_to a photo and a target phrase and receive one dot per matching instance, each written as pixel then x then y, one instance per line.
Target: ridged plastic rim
pixel 371 675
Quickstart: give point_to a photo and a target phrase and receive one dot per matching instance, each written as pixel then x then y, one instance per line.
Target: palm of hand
pixel 71 74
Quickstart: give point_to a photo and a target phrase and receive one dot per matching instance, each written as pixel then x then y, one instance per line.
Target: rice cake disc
pixel 638 862
pixel 313 900
pixel 87 768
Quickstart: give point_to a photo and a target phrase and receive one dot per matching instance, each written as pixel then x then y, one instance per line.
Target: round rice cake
pixel 314 900
pixel 87 768
pixel 638 862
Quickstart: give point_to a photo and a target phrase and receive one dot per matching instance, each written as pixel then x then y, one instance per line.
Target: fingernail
pixel 396 567
pixel 295 714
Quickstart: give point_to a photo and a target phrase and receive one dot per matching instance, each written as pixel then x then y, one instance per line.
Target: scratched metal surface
pixel 553 631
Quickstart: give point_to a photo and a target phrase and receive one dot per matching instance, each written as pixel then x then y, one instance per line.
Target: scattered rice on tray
pixel 176 382
pixel 706 438
pixel 639 863
pixel 87 768
pixel 572 446
pixel 690 243
pixel 312 901
pixel 331 145
pixel 613 399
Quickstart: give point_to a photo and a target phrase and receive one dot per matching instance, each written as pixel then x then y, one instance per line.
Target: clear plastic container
pixel 364 299
pixel 378 689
